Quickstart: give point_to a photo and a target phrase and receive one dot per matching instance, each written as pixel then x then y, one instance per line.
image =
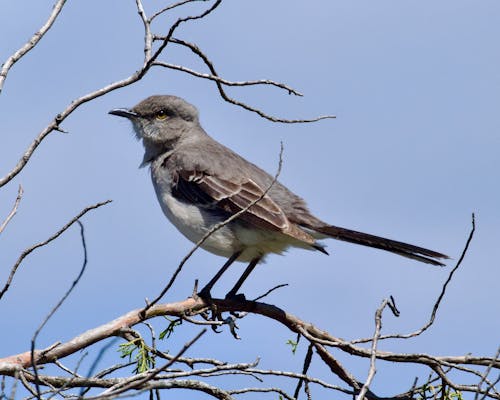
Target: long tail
pixel 365 239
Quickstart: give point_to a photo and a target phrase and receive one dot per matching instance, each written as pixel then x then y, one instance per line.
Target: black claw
pixel 214 328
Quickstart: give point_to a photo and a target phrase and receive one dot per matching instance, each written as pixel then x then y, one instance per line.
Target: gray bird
pixel 199 183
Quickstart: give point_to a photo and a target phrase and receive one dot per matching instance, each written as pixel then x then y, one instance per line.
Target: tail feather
pixel 393 246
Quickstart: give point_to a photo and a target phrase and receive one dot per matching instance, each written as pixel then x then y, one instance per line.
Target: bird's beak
pixel 124 112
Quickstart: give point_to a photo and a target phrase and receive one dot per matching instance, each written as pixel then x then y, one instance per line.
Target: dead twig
pixel 29 250
pixel 13 211
pixel 7 65
pixel 438 301
pixel 196 50
pixel 149 59
pixel 373 357
pixel 56 307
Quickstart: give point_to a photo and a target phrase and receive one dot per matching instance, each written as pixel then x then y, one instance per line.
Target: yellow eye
pixel 161 115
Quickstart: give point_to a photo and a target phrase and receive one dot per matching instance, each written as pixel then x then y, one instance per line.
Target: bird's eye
pixel 161 115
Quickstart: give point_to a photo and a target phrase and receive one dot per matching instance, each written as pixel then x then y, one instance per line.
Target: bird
pixel 199 183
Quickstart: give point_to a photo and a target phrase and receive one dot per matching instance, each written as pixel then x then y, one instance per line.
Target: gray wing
pixel 230 197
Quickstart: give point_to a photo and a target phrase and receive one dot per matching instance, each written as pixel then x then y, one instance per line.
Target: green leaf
pixel 170 328
pixel 293 344
pixel 144 360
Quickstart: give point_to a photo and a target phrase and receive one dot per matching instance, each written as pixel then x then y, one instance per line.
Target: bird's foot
pixel 214 314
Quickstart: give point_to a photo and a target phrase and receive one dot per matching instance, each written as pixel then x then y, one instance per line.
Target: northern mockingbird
pixel 199 182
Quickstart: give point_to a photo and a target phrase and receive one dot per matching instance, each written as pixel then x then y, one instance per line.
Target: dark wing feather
pixel 230 197
pixel 185 188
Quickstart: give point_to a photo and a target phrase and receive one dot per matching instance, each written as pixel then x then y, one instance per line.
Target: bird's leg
pixel 232 293
pixel 205 292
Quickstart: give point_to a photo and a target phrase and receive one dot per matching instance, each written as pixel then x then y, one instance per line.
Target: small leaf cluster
pixel 170 328
pixel 429 391
pixel 140 352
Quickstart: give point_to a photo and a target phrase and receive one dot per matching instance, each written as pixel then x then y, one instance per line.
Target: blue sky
pixel 413 152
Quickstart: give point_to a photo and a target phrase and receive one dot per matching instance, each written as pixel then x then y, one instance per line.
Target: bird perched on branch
pixel 200 183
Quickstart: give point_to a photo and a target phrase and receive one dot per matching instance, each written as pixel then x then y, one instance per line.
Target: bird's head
pixel 160 121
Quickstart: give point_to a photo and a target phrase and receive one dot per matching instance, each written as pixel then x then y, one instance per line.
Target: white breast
pixel 193 222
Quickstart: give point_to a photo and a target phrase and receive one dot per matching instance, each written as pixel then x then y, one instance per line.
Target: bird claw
pixel 231 321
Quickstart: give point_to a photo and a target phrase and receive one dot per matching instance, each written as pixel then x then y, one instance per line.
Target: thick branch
pixel 191 306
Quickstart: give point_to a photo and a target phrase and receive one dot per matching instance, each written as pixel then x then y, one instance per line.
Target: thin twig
pixel 7 65
pixel 170 7
pixel 13 389
pixel 195 49
pixel 485 375
pixel 373 358
pixel 137 383
pixel 60 302
pixel 270 291
pixel 170 33
pixel 305 368
pixel 29 250
pixel 491 385
pixel 226 82
pixel 148 36
pixel 26 384
pixel 14 209
pixel 438 301
pixel 58 391
pixel 54 125
pixel 279 391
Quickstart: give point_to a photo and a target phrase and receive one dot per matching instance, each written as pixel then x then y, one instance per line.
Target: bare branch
pixel 54 125
pixel 307 363
pixel 59 303
pixel 373 357
pixel 225 82
pixel 148 36
pixel 485 375
pixel 281 392
pixel 7 65
pixel 13 211
pixel 29 250
pixel 191 305
pixel 270 291
pixel 237 369
pixel 438 301
pixel 195 49
pixel 337 368
pixel 150 385
pixel 175 25
pixel 170 7
pixel 134 383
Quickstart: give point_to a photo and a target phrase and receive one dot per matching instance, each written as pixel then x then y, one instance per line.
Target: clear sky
pixel 415 149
